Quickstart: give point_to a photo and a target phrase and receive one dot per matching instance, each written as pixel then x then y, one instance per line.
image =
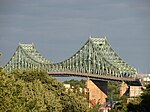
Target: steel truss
pixel 95 57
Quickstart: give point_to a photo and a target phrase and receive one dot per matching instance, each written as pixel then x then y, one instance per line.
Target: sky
pixel 59 28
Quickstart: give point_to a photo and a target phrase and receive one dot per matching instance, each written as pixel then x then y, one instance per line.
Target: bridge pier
pixel 123 89
pixel 97 91
pixel 130 89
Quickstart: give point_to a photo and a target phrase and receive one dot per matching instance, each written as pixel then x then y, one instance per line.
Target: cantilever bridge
pixel 96 59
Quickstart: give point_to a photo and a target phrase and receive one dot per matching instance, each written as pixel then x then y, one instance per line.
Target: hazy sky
pixel 59 28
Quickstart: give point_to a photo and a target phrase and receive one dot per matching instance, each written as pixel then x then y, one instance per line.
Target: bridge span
pixel 95 60
pixel 92 76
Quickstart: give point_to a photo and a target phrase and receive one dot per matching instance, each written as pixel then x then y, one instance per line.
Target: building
pixel 144 78
pixel 135 91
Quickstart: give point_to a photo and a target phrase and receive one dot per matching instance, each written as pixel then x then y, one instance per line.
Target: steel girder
pixel 95 57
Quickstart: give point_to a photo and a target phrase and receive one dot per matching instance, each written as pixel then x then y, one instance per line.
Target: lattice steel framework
pixel 26 57
pixel 95 57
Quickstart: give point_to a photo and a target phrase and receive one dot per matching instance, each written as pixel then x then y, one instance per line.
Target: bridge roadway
pixel 92 76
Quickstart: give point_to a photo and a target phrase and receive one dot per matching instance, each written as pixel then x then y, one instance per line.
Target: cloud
pixel 64 25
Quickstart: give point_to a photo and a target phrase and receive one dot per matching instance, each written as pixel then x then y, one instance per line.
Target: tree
pixel 76 83
pixel 18 95
pixel 24 91
pixel 142 103
pixel 113 90
pixel 145 99
pixel 77 86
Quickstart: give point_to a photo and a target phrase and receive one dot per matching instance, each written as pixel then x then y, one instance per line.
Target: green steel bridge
pixel 96 59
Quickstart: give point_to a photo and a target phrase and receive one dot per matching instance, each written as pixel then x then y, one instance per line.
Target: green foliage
pixel 119 107
pixel 140 104
pixel 76 83
pixel 95 108
pixel 133 107
pixel 35 91
pixel 113 90
pixel 145 99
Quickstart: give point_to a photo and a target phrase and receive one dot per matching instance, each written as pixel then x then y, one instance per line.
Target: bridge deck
pixel 92 76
